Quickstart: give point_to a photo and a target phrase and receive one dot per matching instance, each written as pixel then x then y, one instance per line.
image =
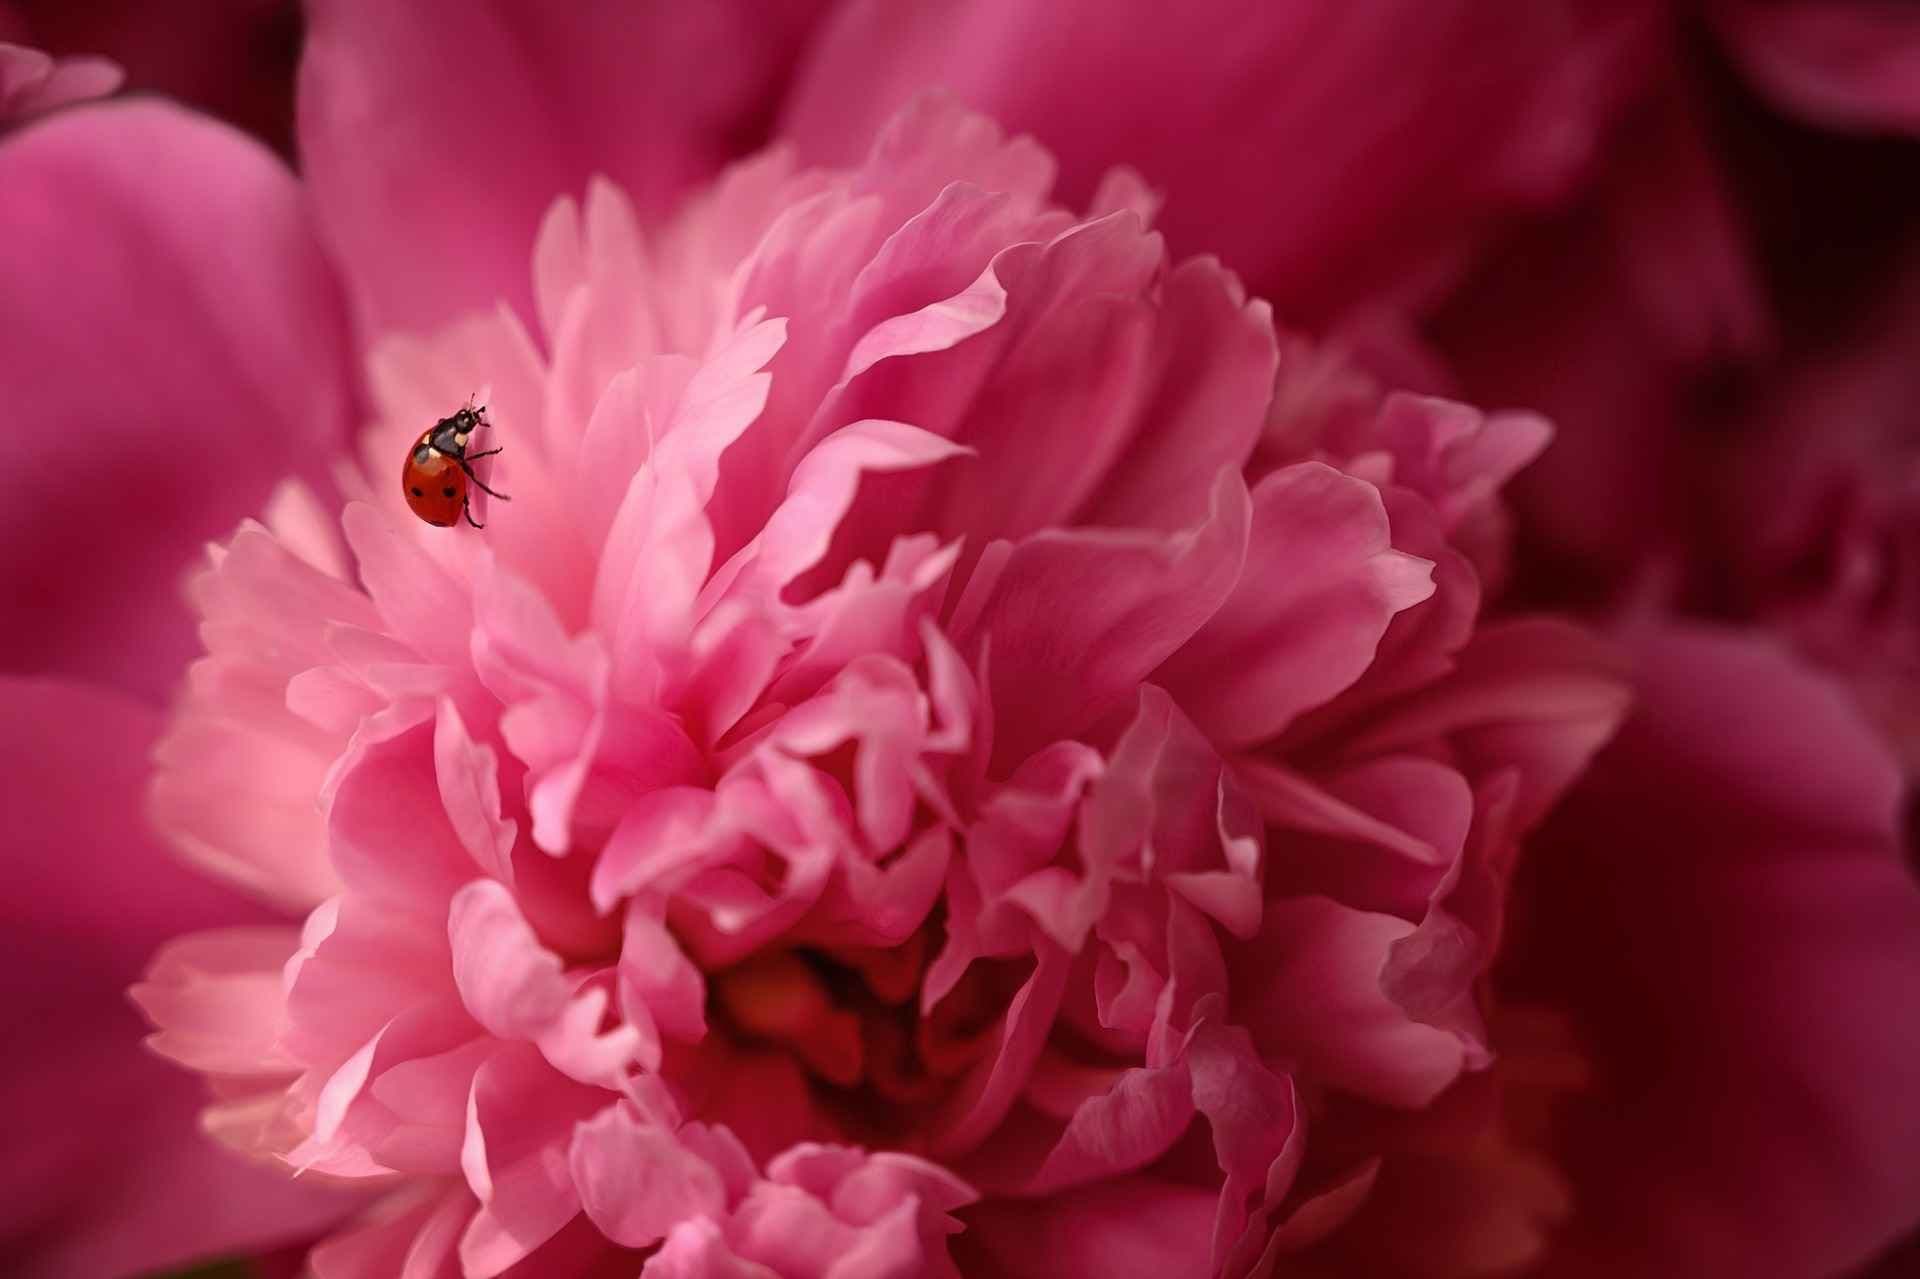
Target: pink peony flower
pixel 179 368
pixel 928 746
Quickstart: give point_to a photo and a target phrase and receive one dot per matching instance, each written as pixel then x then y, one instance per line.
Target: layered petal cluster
pixel 937 762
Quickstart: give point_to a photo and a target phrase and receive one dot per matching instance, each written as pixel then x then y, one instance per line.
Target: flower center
pixel 852 1019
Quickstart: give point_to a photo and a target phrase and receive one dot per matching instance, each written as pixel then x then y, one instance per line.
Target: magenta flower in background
pixel 1721 328
pixel 963 726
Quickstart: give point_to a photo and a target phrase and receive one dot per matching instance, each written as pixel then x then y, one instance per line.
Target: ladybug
pixel 439 469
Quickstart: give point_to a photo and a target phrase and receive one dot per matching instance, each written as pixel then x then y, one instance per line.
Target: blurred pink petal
pixel 1725 907
pixel 174 349
pixel 117 1176
pixel 1130 1228
pixel 32 81
pixel 1814 512
pixel 1845 64
pixel 435 135
pixel 1329 152
pixel 1602 318
pixel 231 59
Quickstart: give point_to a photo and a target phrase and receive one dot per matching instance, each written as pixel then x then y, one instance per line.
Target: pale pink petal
pixel 696 1250
pixel 517 989
pixel 825 484
pixel 468 774
pixel 520 1117
pixel 389 833
pixel 217 1000
pixel 637 1181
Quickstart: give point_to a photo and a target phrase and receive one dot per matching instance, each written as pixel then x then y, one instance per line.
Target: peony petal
pixel 1136 597
pixel 218 1001
pixel 825 484
pixel 128 304
pixel 409 1237
pixel 1118 1131
pixel 520 1117
pixel 516 988
pixel 656 98
pixel 1212 379
pixel 1300 189
pixel 1854 64
pixel 696 1250
pixel 1309 988
pixel 468 775
pixel 1730 886
pixel 1126 1228
pixel 391 838
pixel 1321 585
pixel 1533 694
pixel 1259 1135
pixel 989 1090
pixel 93 888
pixel 32 82
pixel 637 1182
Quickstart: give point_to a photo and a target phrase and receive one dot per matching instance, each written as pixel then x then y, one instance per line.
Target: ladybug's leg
pixel 471 457
pixel 476 479
pixel 466 509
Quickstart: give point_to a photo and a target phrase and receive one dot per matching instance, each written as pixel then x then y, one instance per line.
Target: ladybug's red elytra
pixel 439 469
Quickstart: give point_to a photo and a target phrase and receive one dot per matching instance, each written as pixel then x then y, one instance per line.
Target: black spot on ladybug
pixel 418 493
pixel 446 492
